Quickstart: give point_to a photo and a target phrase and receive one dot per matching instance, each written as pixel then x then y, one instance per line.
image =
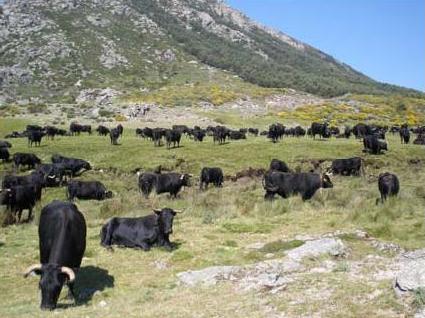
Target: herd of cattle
pixel 62 228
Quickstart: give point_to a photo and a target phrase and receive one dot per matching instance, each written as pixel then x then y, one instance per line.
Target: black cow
pixel 420 140
pixel 157 134
pixel 198 135
pixel 220 133
pixel 347 132
pixel 5 144
pixel 163 183
pixel 279 165
pixel 51 132
pixel 147 133
pixel 76 129
pixel 88 190
pixel 405 135
pixel 34 137
pixel 143 232
pixel 16 134
pixel 62 242
pixel 211 175
pixel 287 184
pixel 373 145
pixel 183 129
pixel 237 135
pixel 361 130
pixel 4 154
pixel 73 166
pixel 347 167
pixel 19 198
pixel 114 135
pixel 253 131
pixel 102 130
pixel 276 131
pixel 53 173
pixel 172 136
pixel 26 159
pixel 320 129
pixel 388 185
pixel 36 178
pixel 120 129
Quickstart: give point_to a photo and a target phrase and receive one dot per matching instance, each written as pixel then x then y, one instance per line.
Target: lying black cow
pixel 114 135
pixel 102 130
pixel 87 190
pixel 279 165
pixel 173 136
pixel 19 198
pixel 25 159
pixel 287 184
pixel 388 185
pixel 373 145
pixel 163 183
pixel 347 167
pixel 143 232
pixel 34 137
pixel 211 175
pixel 53 173
pixel 73 166
pixel 237 135
pixel 4 154
pixel 62 242
pixel 253 131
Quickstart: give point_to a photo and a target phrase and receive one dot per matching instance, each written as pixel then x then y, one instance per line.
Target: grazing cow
pixel 276 131
pixel 405 135
pixel 157 134
pixel 373 145
pixel 62 242
pixel 361 130
pixel 88 190
pixel 237 135
pixel 53 174
pixel 19 198
pixel 388 185
pixel 173 136
pixel 347 167
pixel 147 133
pixel 51 132
pixel 279 165
pixel 36 178
pixel 4 154
pixel 114 135
pixel 163 183
pixel 211 175
pixel 25 159
pixel 287 184
pixel 102 130
pixel 220 133
pixel 5 144
pixel 320 129
pixel 35 136
pixel 143 232
pixel 76 129
pixel 73 166
pixel 198 135
pixel 299 131
pixel 253 131
pixel 183 129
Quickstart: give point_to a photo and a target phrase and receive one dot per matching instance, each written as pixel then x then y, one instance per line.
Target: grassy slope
pixel 215 228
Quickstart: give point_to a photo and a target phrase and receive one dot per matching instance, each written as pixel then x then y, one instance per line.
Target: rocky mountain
pixel 54 49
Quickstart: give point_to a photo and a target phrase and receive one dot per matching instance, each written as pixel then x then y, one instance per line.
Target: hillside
pixel 52 50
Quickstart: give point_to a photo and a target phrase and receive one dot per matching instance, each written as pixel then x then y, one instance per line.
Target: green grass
pixel 216 226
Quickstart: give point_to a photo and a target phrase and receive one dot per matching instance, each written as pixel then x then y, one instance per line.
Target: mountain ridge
pixel 53 50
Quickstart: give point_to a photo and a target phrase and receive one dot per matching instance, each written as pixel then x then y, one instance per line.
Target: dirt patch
pixel 251 173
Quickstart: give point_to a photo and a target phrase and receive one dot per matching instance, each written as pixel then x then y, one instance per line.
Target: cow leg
pixel 71 293
pixel 145 246
pixel 269 196
pixel 30 217
pixel 19 215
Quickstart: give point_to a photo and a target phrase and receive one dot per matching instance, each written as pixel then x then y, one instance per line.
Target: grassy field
pixel 216 228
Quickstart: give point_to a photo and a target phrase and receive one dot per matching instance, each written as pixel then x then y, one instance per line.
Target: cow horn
pixel 51 177
pixel 69 272
pixel 178 211
pixel 32 268
pixel 182 177
pixel 157 210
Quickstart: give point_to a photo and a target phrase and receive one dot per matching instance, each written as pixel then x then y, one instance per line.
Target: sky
pixel 384 39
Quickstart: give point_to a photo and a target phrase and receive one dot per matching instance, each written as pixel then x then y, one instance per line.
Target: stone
pixel 411 275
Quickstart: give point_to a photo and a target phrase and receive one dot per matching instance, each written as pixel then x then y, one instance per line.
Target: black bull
pixel 62 242
pixel 143 232
pixel 287 184
pixel 347 167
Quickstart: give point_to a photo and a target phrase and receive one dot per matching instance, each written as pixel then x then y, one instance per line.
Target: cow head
pixel 52 278
pixel 326 181
pixel 5 196
pixel 185 179
pixel 165 219
pixel 108 194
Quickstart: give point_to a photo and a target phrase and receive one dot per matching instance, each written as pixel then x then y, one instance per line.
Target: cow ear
pixel 158 212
